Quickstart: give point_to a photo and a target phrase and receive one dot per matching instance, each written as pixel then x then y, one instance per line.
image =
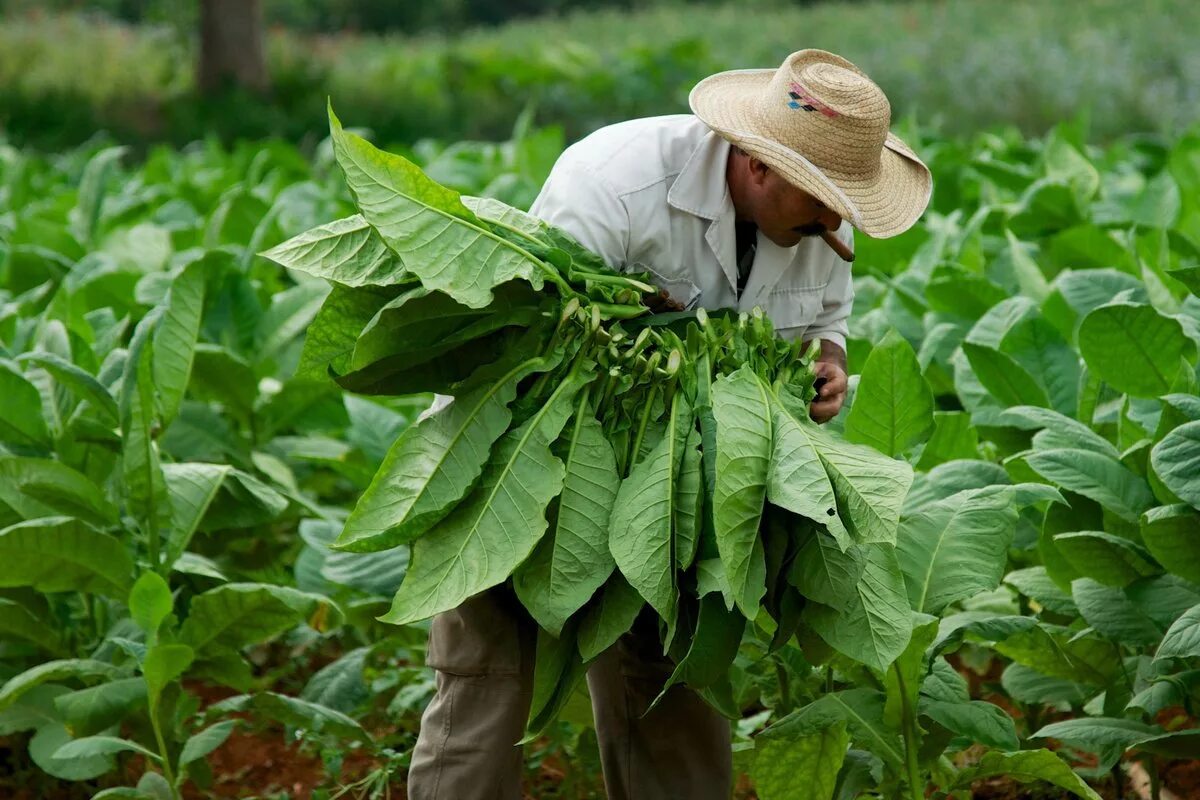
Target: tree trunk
pixel 231 45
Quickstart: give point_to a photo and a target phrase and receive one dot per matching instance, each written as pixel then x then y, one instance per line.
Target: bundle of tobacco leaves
pixel 600 457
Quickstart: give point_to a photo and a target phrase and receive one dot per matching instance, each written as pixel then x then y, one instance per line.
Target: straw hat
pixel 822 124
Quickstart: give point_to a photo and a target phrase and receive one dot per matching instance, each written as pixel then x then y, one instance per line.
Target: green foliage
pixel 1036 66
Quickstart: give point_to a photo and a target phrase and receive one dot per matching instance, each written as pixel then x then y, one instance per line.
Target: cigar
pixel 844 252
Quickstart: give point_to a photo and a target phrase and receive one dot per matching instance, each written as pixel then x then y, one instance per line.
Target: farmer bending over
pixel 740 205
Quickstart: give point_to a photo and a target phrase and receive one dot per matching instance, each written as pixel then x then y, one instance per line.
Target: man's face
pixel 784 213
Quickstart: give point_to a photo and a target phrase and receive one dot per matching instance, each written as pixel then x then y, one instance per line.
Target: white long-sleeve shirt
pixel 650 194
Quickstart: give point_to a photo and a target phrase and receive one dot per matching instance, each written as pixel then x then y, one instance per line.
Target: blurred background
pixel 176 70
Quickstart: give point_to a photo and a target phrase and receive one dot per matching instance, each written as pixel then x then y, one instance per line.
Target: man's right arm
pixel 581 202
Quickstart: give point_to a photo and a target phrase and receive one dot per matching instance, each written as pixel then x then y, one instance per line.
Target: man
pixel 739 206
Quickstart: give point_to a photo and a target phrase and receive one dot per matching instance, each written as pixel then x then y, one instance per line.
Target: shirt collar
pixel 700 187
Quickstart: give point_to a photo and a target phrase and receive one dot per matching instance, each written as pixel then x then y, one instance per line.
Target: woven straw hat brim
pixel 881 205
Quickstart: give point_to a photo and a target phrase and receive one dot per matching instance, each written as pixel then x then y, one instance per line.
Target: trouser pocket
pixel 483 636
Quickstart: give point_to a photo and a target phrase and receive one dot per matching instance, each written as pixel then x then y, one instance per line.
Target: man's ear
pixel 758 171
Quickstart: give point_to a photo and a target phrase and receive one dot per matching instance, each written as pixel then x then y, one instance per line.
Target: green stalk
pixel 616 311
pixel 153 540
pixel 785 688
pixel 614 280
pixel 908 724
pixel 641 431
pixel 168 773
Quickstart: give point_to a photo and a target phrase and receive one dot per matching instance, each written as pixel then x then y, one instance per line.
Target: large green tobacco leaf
pixel 945 700
pixel 869 488
pixel 192 488
pixel 164 663
pixel 41 487
pixel 91 746
pixel 53 672
pixel 893 406
pixel 1058 431
pixel 489 534
pixel 1025 766
pixel 287 318
pixel 1006 380
pixel 803 768
pixel 1134 348
pixel 826 574
pixel 201 744
pixel 85 216
pixel 1183 638
pixel 1098 477
pixel 876 623
pixel 21 421
pixel 1107 737
pixel 419 325
pixel 95 708
pixel 1162 598
pixel 1026 271
pixel 1176 461
pixel 78 380
pixel 798 480
pixel 293 712
pixel 330 339
pixel 47 741
pixel 558 670
pixel 1036 584
pixel 377 574
pixel 242 501
pixel 957 547
pixel 145 486
pixel 238 614
pixel 1172 535
pixel 641 530
pixel 951 478
pixel 150 602
pixel 340 685
pixel 346 251
pixel 1029 686
pixel 713 647
pixel 61 554
pixel 608 617
pixel 433 465
pixel 18 621
pixel 1038 347
pixel 438 238
pixel 862 712
pixel 953 438
pixel 744 438
pixel 1110 612
pixel 1110 559
pixel 689 502
pixel 175 338
pixel 1060 652
pixel 568 566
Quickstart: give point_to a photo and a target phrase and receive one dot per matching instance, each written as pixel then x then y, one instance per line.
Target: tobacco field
pixel 224 521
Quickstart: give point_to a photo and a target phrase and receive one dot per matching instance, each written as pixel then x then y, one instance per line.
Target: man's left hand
pixel 832 394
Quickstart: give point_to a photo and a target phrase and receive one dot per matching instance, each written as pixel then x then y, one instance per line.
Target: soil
pixel 260 762
pixel 1183 779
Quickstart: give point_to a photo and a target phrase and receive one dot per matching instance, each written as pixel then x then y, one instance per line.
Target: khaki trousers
pixel 483 652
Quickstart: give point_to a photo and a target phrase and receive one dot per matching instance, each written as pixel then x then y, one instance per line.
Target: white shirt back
pixel 650 194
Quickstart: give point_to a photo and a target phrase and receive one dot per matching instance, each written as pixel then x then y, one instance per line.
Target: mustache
pixel 811 229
